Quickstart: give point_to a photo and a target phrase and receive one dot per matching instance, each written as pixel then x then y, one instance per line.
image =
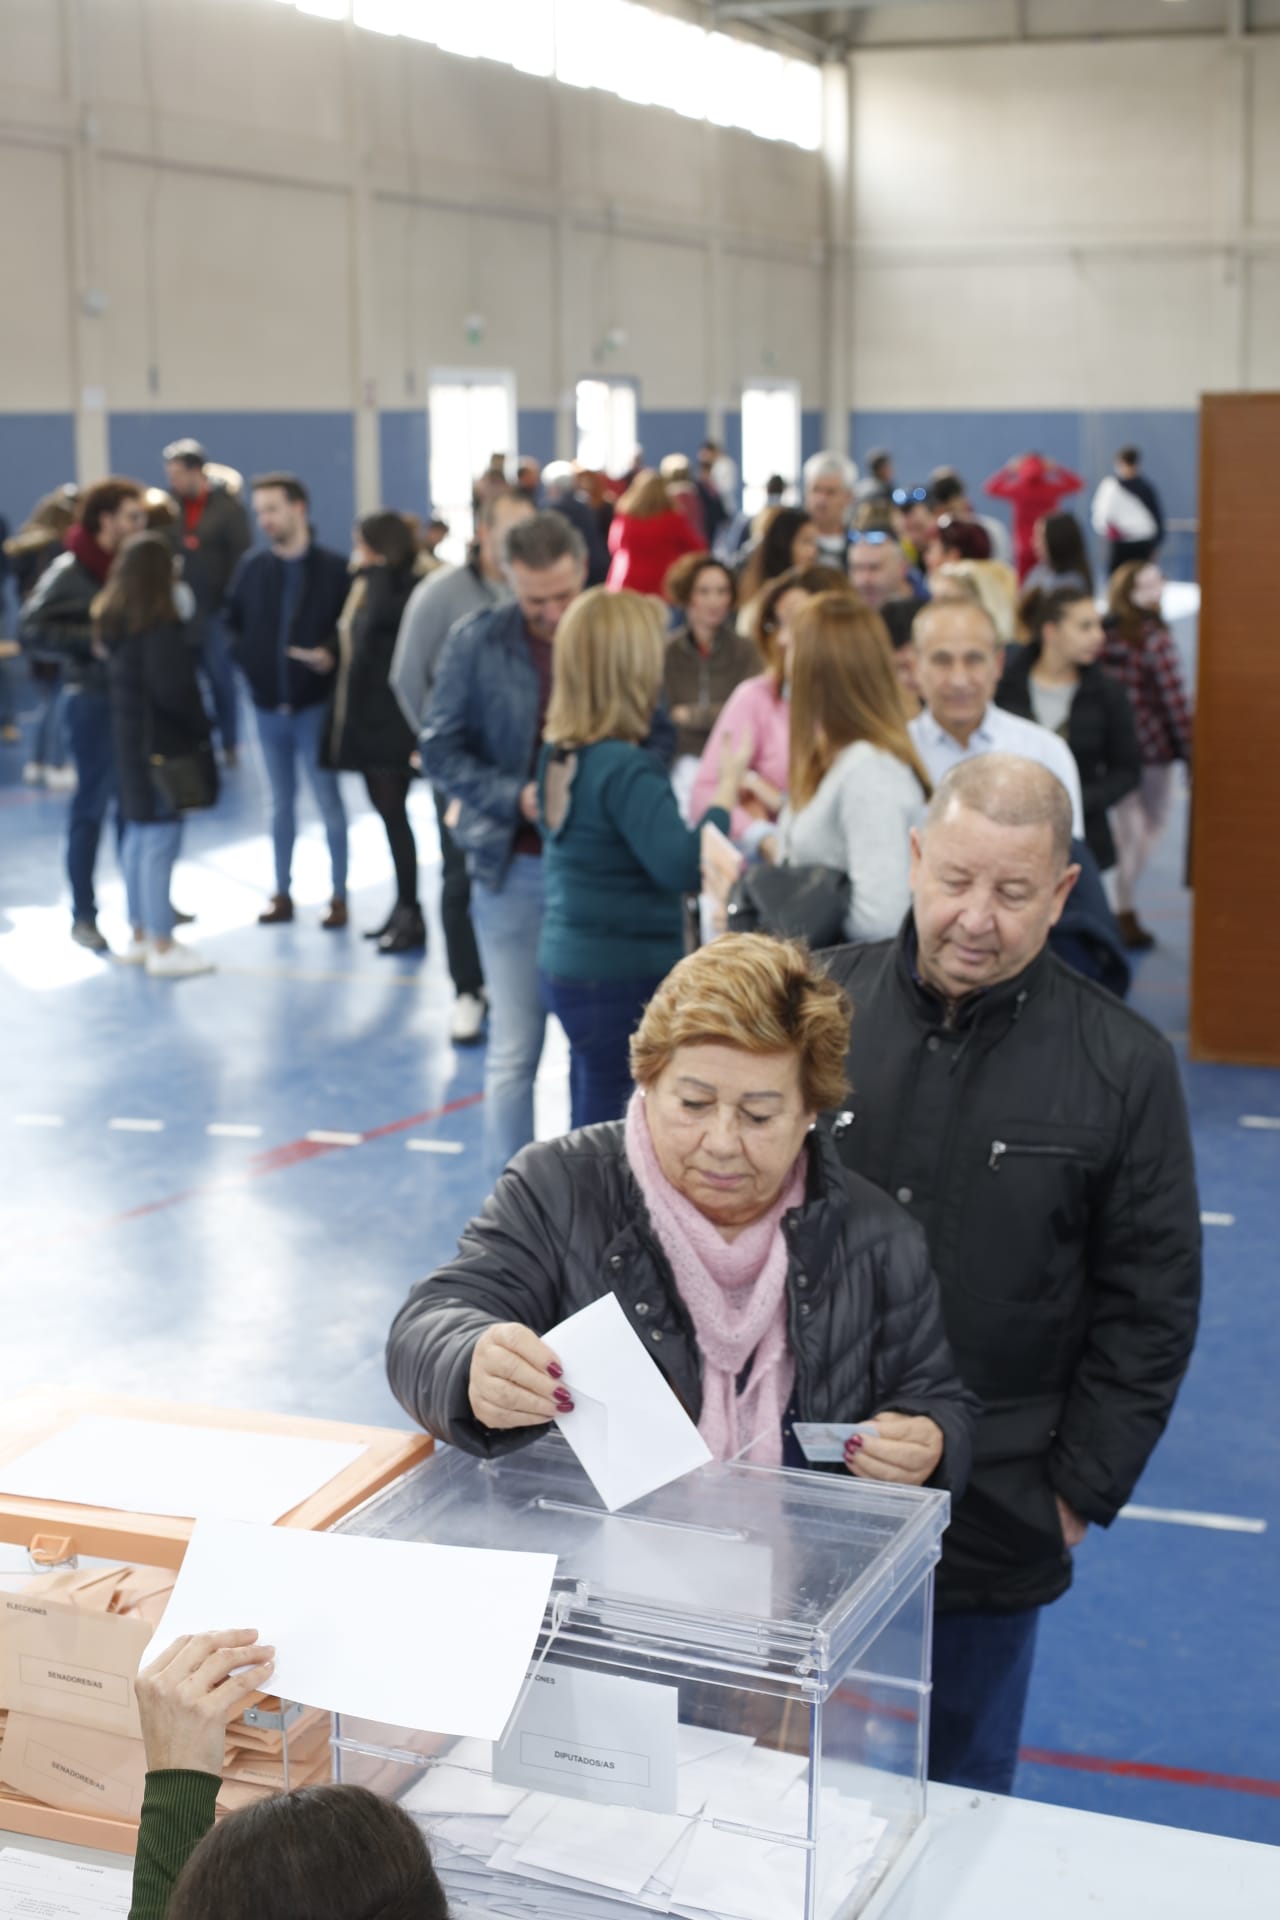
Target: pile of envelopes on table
pixel 726 1853
pixel 70 1646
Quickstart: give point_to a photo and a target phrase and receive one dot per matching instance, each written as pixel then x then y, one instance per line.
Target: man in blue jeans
pixel 57 625
pixel 480 746
pixel 210 535
pixel 283 608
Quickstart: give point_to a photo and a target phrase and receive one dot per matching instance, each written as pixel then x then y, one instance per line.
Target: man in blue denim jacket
pixel 480 745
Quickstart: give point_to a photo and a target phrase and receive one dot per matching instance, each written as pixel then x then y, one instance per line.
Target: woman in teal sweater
pixel 618 859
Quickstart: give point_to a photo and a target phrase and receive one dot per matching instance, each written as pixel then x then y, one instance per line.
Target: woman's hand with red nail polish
pixel 512 1375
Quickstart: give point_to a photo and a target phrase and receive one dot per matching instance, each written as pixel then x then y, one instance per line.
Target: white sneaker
pixel 134 955
pixel 469 1010
pixel 61 779
pixel 33 774
pixel 177 963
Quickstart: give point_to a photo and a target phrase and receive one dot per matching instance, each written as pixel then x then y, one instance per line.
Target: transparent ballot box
pixel 726 1715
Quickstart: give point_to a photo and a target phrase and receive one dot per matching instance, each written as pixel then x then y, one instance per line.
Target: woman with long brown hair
pixel 858 786
pixel 648 535
pixel 157 718
pixel 1140 654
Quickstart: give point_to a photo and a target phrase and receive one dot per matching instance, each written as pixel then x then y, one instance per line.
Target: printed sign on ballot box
pixel 593 1736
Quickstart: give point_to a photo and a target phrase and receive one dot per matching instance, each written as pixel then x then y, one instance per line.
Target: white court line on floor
pixel 229 1130
pixel 37 1120
pixel 435 1146
pixel 1261 1122
pixel 319 1138
pixel 1184 1517
pixel 1217 1219
pixel 136 1126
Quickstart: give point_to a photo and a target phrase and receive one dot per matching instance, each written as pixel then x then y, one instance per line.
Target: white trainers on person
pixel 469 1010
pixel 177 963
pixel 134 955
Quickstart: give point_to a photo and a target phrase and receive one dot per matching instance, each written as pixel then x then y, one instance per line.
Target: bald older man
pixel 1036 1129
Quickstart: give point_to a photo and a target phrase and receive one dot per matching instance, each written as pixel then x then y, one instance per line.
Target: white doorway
pixel 607 425
pixel 472 416
pixel 770 438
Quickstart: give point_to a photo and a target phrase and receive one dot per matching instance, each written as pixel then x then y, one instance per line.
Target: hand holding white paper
pixel 627 1427
pixel 394 1630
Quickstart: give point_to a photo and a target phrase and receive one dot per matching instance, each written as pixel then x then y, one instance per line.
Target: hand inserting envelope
pixel 626 1427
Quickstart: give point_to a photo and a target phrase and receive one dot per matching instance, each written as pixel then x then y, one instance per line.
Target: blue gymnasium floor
pixel 144 1252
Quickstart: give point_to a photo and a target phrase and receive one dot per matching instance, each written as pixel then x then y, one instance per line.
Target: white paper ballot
pixel 627 1427
pixel 394 1630
pixel 46 1888
pixel 140 1466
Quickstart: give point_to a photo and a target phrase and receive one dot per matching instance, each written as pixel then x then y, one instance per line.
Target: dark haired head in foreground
pixel 329 1853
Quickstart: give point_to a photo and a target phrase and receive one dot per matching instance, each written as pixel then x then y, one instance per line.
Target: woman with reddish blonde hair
pixel 767 1284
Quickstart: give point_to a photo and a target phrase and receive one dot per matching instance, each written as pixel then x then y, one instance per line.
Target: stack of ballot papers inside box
pixel 725 1854
pixel 70 1645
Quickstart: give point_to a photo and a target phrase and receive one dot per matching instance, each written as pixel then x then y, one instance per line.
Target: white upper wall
pixel 227 137
pixel 1064 226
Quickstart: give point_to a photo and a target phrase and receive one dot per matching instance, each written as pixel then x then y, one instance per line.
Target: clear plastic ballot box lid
pixel 726 1716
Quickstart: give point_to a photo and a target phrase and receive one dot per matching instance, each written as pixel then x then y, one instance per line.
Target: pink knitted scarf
pixel 736 1296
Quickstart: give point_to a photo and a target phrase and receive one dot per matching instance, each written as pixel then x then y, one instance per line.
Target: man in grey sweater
pixel 435 607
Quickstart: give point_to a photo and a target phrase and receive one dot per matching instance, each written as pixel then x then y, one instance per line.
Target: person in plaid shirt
pixel 1140 653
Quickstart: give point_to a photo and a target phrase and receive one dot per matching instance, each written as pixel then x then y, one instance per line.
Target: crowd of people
pixel 630 703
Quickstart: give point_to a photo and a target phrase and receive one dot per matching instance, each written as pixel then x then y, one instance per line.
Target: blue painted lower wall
pixel 318 447
pixel 536 433
pixel 37 454
pixel 37 450
pixel 406 442
pixel 671 431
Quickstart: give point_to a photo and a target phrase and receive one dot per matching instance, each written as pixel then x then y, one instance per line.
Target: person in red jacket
pixel 648 535
pixel 1034 485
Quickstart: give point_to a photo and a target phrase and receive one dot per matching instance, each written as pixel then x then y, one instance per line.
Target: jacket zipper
pixel 999 1148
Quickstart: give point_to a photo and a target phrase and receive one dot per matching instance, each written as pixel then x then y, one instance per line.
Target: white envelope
pixel 627 1427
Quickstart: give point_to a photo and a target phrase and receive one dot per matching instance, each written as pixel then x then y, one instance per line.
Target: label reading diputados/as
pixel 593 1736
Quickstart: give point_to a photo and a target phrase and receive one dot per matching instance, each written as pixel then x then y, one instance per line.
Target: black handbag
pixel 186 782
pixel 792 903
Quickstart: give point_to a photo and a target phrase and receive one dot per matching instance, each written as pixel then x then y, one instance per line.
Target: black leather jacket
pixel 566 1223
pixel 56 623
pixel 1038 1134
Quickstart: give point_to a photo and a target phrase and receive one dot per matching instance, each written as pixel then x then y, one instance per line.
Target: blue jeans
pixel 599 1018
pixel 49 748
pixel 215 658
pixel 149 854
pixel 88 720
pixel 981 1672
pixel 508 923
pixel 286 739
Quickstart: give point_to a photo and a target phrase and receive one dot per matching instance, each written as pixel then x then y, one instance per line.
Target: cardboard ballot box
pixel 75 1621
pixel 727 1713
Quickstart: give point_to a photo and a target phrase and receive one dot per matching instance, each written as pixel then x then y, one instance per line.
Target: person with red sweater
pixel 1034 486
pixel 648 535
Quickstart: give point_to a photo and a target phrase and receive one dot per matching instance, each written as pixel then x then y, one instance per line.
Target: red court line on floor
pixel 275 1160
pixel 1145 1770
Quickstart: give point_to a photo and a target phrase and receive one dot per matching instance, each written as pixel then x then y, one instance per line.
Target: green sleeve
pixel 177 1812
pixel 638 798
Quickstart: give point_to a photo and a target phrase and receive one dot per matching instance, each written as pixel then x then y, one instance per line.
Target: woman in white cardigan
pixel 858 785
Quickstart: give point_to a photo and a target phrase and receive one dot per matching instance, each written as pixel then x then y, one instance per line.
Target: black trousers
pixel 389 793
pixel 465 969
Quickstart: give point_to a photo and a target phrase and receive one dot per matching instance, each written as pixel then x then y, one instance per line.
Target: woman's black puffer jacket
pixel 566 1223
